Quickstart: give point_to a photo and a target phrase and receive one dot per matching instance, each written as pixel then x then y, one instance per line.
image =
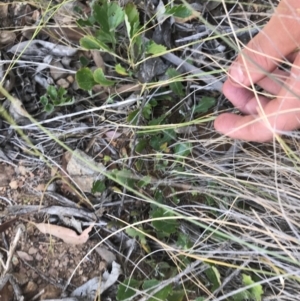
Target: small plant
pixel 54 98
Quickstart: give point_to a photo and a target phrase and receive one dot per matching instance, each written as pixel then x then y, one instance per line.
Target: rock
pixel 63 83
pixel 83 175
pixel 57 73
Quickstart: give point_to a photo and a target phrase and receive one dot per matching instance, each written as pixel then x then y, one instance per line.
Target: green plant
pixel 110 16
pixel 55 97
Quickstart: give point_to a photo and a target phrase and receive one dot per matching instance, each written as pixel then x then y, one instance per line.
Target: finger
pixel 279 115
pixel 243 98
pixel 274 82
pixel 246 100
pixel 278 39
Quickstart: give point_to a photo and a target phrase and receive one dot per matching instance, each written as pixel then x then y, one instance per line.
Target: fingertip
pixel 236 74
pixel 222 123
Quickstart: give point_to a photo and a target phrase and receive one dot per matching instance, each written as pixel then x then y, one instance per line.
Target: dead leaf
pixel 106 255
pixel 97 57
pixel 7 37
pixel 67 235
pixel 112 135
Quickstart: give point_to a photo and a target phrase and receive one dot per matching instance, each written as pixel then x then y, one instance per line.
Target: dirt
pixel 40 262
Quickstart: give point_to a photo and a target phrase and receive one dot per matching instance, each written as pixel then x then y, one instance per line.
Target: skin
pixel 263 116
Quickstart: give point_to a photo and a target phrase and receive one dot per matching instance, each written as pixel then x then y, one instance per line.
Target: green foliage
pixel 55 97
pixel 177 295
pixel 175 82
pixel 132 20
pixel 86 79
pixel 99 78
pixel 179 11
pixel 163 226
pixel 127 289
pixel 214 277
pixel 160 295
pixel 205 104
pixel 121 70
pixel 160 141
pixel 98 186
pixel 109 16
pixel 124 176
pixel 254 293
pixel 182 149
pixel 153 48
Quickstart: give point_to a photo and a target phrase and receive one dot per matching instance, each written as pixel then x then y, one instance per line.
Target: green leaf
pixel 90 43
pixel 164 226
pixel 214 277
pixel 147 111
pixel 101 16
pixel 127 289
pixel 84 61
pixel 85 79
pixel 160 295
pixel 205 104
pixel 176 295
pixel 179 11
pixel 88 22
pixel 99 78
pixel 98 186
pixel 182 149
pixel 140 147
pixel 256 291
pixel 49 108
pixel 153 48
pixel 183 241
pixel 135 233
pixel 242 296
pixel 44 100
pixel 121 70
pixel 131 19
pixel 52 92
pixel 157 121
pixel 150 283
pixel 124 176
pixel 133 117
pixel 175 85
pixel 115 16
pixel 144 181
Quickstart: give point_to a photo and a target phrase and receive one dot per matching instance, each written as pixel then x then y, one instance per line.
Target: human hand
pixel 258 64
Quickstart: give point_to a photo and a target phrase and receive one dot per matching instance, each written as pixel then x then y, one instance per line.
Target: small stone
pixel 32 251
pixel 57 72
pixel 38 257
pixel 70 79
pixel 14 184
pixel 63 83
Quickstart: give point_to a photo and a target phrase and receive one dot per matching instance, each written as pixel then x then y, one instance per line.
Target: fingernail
pixel 236 73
